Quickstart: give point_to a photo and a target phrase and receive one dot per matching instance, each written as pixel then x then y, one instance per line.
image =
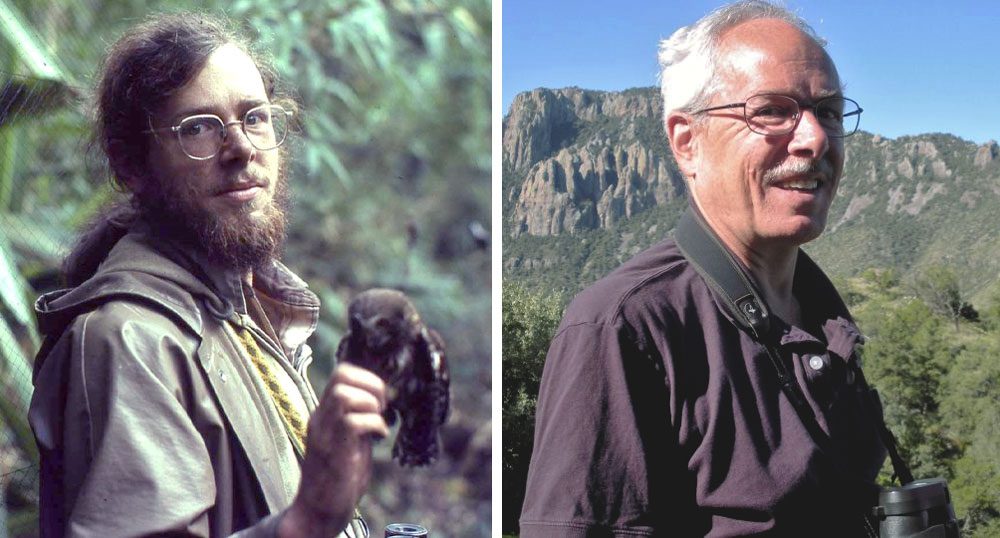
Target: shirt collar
pixel 824 310
pixel 290 306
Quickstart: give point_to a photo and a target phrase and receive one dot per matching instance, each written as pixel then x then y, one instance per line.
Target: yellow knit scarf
pixel 294 423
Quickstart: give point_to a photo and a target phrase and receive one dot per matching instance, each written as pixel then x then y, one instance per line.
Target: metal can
pixel 405 529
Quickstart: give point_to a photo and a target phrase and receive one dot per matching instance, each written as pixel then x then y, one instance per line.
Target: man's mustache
pixel 798 167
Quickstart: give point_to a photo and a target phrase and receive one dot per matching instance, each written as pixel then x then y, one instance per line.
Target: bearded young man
pixel 658 413
pixel 170 393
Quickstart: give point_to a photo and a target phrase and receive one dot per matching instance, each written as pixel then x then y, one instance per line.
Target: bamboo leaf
pixel 342 91
pixel 13 290
pixel 44 242
pixel 35 56
pixel 466 21
pixel 16 368
pixel 9 141
pixel 16 419
pixel 336 166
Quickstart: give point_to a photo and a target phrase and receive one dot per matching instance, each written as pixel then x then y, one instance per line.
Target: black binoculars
pixel 920 509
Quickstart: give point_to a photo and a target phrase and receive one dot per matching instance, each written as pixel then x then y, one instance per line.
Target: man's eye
pixel 200 127
pixel 773 111
pixel 256 117
pixel 829 114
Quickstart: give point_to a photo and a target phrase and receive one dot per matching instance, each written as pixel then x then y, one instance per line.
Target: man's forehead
pixel 228 78
pixel 773 53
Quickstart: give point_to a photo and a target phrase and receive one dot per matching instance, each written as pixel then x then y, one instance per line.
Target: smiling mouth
pixel 800 184
pixel 806 176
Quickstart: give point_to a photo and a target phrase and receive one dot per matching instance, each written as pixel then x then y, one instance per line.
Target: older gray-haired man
pixel 657 414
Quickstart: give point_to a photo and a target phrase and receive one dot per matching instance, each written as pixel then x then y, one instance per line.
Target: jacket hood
pixel 141 268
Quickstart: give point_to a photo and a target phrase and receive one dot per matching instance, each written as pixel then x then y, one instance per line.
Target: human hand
pixel 338 458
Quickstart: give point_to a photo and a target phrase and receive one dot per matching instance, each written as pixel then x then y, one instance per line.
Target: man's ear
pixel 680 127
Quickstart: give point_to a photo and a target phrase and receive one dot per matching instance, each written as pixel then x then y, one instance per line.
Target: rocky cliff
pixel 584 159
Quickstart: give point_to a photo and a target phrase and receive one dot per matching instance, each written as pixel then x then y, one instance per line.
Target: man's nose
pixel 236 145
pixel 809 137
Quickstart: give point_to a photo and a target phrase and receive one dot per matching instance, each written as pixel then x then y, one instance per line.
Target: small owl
pixel 387 337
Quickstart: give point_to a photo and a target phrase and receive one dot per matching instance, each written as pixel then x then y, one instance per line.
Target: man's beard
pixel 234 240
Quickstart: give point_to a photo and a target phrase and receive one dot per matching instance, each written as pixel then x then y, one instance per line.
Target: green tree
pixel 529 323
pixel 882 280
pixel 970 393
pixel 908 355
pixel 939 288
pixel 991 312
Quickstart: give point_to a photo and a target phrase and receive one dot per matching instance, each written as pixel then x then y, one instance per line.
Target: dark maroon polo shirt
pixel 658 417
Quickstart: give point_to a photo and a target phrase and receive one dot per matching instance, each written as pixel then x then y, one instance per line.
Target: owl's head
pixel 385 318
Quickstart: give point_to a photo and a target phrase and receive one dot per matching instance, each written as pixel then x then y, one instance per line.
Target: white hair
pixel 689 58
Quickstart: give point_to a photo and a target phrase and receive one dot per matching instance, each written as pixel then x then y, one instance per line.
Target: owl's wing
pixel 430 351
pixel 425 401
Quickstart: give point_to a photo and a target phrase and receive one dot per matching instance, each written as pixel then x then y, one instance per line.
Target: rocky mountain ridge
pixel 591 163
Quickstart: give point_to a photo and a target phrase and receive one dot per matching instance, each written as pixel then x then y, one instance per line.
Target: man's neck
pixel 774 272
pixel 772 267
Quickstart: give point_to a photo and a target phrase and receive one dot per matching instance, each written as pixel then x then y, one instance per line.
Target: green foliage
pixel 566 264
pixel 991 311
pixel 529 323
pixel 18 339
pixel 907 357
pixel 939 289
pixel 940 386
pixel 883 280
pixel 971 414
pixel 31 51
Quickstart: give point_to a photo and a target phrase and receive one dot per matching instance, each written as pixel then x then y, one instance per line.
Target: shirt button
pixel 816 362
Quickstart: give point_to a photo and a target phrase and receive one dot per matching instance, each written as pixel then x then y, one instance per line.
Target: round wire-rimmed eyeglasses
pixel 775 115
pixel 201 136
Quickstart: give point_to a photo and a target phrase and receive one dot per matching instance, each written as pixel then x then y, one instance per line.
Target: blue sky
pixel 915 67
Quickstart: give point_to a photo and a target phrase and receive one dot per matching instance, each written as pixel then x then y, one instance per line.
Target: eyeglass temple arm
pixel 721 107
